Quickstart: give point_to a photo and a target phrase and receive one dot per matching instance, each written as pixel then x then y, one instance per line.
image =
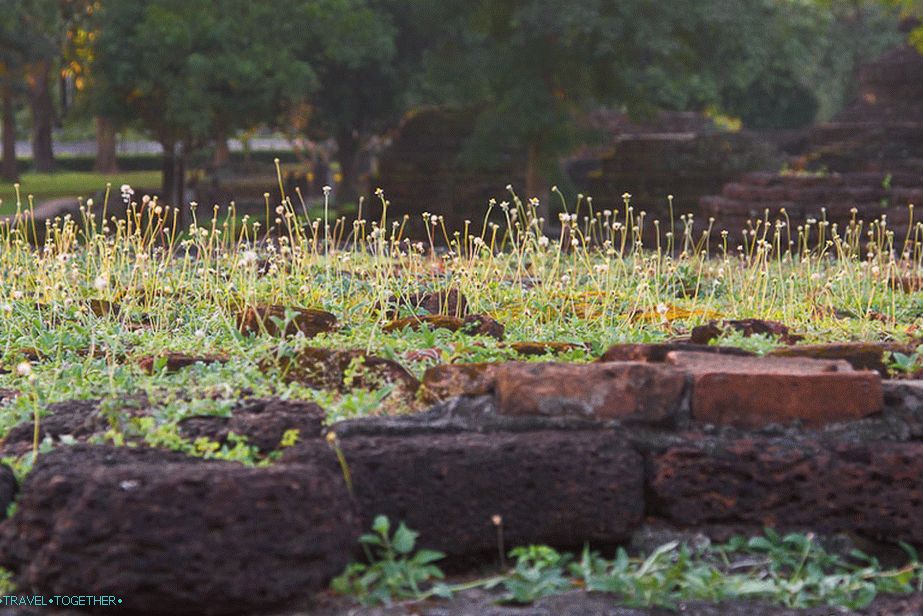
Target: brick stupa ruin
pixel 869 158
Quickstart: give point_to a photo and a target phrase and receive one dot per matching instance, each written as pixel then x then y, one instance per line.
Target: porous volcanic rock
pixel 447 380
pixel 174 361
pixel 449 303
pixel 543 348
pixel 553 487
pixel 658 352
pixel 262 422
pixel 629 391
pixel 309 321
pixel 473 324
pixel 77 418
pixel 704 334
pixel 177 535
pixel 874 489
pixel 8 488
pixel 330 368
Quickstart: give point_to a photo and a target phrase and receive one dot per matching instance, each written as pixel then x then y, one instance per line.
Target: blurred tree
pixel 912 11
pixel 535 67
pixel 41 28
pixel 350 44
pixel 191 71
pixel 11 61
pixel 79 53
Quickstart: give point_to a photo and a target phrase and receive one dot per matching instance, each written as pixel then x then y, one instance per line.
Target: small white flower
pixel 24 368
pixel 89 202
pixel 327 190
pixel 248 257
pixel 101 283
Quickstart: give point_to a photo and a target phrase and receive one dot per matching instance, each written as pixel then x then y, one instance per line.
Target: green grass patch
pixel 45 186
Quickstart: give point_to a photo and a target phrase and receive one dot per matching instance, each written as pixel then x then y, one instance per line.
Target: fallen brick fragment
pixel 309 321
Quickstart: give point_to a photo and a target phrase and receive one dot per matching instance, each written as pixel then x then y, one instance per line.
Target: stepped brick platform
pixel 867 162
pixel 421 171
pixel 681 154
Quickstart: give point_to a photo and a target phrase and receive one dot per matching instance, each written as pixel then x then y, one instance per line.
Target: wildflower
pixel 248 257
pixel 89 202
pixel 24 369
pixel 326 190
pixel 101 283
pixel 127 192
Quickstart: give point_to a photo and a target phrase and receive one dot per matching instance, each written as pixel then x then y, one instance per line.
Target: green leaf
pixel 404 539
pixel 424 557
pixel 381 525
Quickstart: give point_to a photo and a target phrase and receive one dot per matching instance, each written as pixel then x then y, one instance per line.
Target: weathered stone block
pixel 177 535
pixel 553 487
pixel 870 488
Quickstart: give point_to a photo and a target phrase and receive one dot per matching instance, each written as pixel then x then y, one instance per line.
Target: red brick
pixel 860 355
pixel 631 391
pixel 751 392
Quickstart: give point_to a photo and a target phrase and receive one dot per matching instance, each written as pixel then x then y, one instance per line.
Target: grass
pixel 593 283
pixel 46 186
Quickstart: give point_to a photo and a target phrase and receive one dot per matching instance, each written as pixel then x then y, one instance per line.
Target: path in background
pixel 87 147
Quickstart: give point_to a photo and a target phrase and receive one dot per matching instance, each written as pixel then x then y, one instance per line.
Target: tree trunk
pixel 179 178
pixel 222 153
pixel 9 170
pixel 536 186
pixel 166 172
pixel 347 155
pixel 106 160
pixel 174 173
pixel 42 116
